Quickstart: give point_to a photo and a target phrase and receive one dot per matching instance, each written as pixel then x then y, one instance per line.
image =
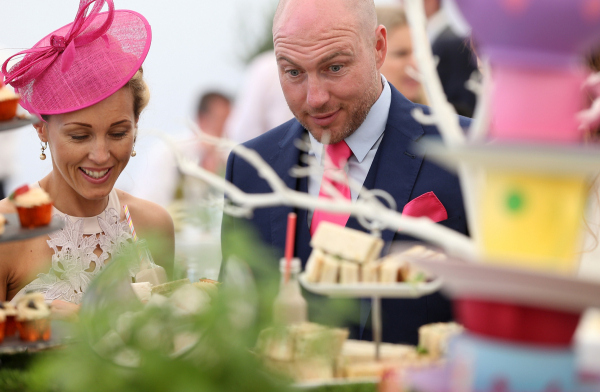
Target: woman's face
pixel 91 147
pixel 399 57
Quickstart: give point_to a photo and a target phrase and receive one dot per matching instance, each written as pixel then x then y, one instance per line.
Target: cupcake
pixel 10 328
pixel 33 318
pixel 33 205
pixel 2 324
pixel 2 223
pixel 8 103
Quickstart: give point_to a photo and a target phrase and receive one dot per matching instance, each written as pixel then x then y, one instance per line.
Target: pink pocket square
pixel 426 205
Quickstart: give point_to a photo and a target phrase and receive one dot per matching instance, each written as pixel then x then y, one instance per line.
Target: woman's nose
pixel 100 152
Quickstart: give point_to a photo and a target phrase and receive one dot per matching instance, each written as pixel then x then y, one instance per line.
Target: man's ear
pixel 380 45
pixel 42 130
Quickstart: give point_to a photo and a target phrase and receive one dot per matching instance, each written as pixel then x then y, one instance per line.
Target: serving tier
pixel 14 232
pixel 16 123
pixel 376 291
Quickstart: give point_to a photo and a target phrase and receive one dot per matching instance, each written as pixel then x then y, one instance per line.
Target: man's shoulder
pixel 267 140
pixel 464 122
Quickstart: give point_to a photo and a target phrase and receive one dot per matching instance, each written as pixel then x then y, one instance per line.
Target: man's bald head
pixel 361 12
pixel 329 53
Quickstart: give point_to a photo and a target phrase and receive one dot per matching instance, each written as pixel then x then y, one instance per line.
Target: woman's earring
pixel 133 153
pixel 42 155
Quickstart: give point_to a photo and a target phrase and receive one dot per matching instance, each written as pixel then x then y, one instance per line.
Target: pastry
pixel 305 351
pixel 314 266
pixel 349 244
pixel 434 338
pixel 331 270
pixel 209 286
pixel 10 327
pixel 370 272
pixel 33 205
pixel 143 291
pixel 167 289
pixel 33 318
pixel 9 102
pixel 156 275
pixel 390 270
pixel 2 223
pixel 349 272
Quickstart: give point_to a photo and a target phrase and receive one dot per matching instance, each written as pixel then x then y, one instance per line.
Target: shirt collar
pixel 365 137
pixel 436 24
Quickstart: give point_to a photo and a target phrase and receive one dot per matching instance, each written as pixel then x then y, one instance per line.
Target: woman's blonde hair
pixel 140 91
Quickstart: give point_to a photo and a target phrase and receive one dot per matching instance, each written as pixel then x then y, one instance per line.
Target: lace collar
pixel 91 224
pixel 74 263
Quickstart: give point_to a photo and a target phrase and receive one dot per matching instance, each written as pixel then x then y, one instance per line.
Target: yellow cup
pixel 532 220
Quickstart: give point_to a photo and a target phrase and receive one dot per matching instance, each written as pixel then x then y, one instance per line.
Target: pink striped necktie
pixel 338 154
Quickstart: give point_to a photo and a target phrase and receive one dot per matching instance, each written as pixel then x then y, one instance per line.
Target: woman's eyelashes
pixel 113 135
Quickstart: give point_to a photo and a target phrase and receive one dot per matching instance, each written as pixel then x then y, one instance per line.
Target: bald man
pixel 329 53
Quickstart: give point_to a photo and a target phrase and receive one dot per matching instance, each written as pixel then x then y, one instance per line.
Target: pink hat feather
pixel 83 62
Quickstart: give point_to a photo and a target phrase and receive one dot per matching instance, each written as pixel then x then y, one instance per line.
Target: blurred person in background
pixel 166 183
pixel 400 54
pixel 456 60
pixel 260 105
pixel 211 115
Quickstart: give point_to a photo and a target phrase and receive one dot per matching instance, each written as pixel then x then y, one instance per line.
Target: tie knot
pixel 339 153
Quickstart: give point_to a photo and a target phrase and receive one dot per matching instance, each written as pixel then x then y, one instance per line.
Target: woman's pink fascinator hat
pixel 81 63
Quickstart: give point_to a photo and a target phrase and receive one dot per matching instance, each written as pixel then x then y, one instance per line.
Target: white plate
pixel 364 290
pixel 335 382
pixel 527 287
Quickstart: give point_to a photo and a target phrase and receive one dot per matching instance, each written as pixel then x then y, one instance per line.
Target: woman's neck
pixel 69 202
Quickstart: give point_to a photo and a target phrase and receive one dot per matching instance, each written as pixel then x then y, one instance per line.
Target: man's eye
pixel 293 72
pixel 335 68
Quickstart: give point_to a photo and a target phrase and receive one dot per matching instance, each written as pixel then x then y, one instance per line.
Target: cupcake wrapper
pixel 8 109
pixel 34 330
pixel 10 326
pixel 35 216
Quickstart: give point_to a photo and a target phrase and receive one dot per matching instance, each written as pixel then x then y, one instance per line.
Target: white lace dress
pixel 74 263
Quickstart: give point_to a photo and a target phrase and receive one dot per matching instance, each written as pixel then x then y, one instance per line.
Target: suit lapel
pixel 392 170
pixel 287 157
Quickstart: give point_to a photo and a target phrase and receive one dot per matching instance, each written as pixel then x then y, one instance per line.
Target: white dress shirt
pixel 364 143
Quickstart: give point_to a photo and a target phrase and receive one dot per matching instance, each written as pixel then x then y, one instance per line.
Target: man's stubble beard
pixel 357 116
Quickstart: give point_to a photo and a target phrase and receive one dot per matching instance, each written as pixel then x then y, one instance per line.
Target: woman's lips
pixel 325 120
pixel 99 180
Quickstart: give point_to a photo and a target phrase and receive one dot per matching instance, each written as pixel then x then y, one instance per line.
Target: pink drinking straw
pixel 289 244
pixel 130 222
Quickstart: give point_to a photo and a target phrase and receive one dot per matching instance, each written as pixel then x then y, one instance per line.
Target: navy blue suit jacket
pixel 395 169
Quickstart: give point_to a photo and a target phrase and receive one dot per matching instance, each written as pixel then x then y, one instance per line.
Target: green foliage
pixel 142 356
pixel 220 359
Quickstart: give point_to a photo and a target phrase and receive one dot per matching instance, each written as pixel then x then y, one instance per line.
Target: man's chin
pixel 328 135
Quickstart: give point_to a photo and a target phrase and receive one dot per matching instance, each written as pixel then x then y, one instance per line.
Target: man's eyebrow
pixel 334 55
pixel 279 58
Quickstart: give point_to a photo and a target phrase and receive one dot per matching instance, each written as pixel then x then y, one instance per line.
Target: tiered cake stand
pixel 16 123
pixel 14 232
pixel 375 291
